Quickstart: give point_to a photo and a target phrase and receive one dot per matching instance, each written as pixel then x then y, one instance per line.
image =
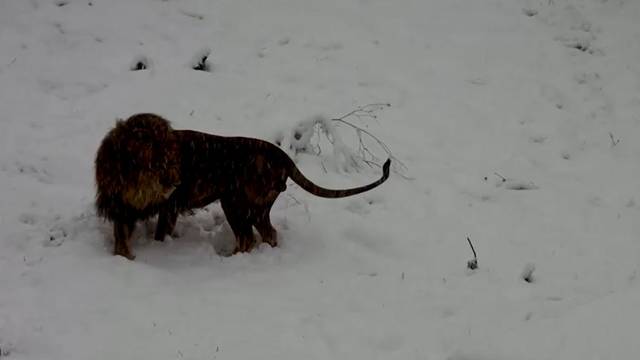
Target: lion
pixel 145 168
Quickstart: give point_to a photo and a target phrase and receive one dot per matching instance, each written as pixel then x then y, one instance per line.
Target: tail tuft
pixel 385 169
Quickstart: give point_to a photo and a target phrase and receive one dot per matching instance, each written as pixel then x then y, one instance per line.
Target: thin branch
pixel 317 127
pixel 192 15
pixel 294 199
pixel 306 208
pixel 366 110
pixel 500 176
pixel 614 141
pixel 323 167
pixel 363 149
pixel 475 256
pixel 371 163
pixel 472 264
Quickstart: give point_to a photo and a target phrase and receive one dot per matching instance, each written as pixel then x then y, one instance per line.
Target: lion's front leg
pixel 122 231
pixel 166 222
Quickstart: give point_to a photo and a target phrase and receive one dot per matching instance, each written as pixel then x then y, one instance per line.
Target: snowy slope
pixel 543 94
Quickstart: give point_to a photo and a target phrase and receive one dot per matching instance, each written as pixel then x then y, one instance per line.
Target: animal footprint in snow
pixel 357 207
pixel 5 349
pixel 284 41
pixel 201 61
pixel 28 219
pixel 57 235
pixel 515 184
pixel 37 172
pixel 140 63
pixel 582 43
pixel 363 206
pixel 588 78
pixel 192 15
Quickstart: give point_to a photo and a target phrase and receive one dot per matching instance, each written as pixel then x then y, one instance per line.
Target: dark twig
pixel 364 112
pixel 192 15
pixel 323 167
pixel 472 264
pixel 305 132
pixel 201 62
pixel 527 272
pixel 475 256
pixel 306 208
pixel 614 141
pixel 500 176
pixel 294 199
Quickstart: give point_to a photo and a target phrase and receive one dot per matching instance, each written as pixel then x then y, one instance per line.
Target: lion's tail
pixel 309 186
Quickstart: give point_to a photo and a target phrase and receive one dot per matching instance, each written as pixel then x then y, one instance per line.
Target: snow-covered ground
pixel 542 93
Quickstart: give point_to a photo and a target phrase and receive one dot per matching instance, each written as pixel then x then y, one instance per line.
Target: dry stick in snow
pixel 305 131
pixel 527 273
pixel 614 141
pixel 368 111
pixel 472 264
pixel 500 176
pixel 304 205
pixel 323 167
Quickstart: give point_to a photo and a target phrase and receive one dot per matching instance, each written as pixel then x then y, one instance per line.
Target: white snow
pixel 518 121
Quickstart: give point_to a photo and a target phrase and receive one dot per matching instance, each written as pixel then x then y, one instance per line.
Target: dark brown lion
pixel 145 168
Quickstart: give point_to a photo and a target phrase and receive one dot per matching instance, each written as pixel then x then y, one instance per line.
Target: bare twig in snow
pixel 308 135
pixel 192 15
pixel 614 141
pixel 527 272
pixel 472 264
pixel 304 205
pixel 365 154
pixel 500 176
pixel 366 111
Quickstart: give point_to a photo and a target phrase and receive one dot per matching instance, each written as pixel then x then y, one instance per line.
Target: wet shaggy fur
pixel 137 167
pixel 144 168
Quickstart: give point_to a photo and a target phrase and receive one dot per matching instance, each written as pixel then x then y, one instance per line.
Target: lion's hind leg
pixel 266 230
pixel 238 217
pixel 263 222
